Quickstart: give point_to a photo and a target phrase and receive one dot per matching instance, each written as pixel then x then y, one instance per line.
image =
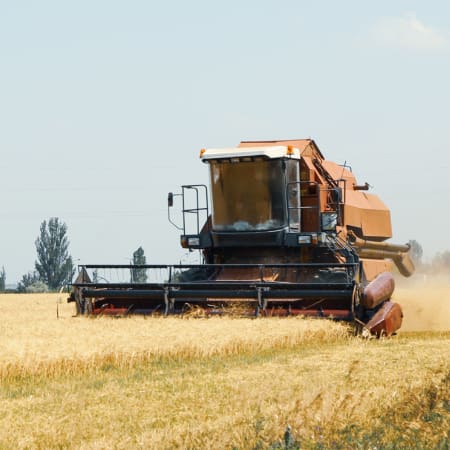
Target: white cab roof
pixel 278 151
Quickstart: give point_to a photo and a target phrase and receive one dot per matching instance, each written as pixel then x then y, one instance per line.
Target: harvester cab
pixel 281 232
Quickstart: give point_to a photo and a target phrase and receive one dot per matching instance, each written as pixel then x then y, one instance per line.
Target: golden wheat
pixel 77 382
pixel 35 340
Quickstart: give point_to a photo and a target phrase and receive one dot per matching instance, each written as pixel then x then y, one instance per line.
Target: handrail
pixel 196 210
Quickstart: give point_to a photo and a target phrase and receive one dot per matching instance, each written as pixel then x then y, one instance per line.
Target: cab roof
pixel 268 152
pixel 307 147
pixel 292 148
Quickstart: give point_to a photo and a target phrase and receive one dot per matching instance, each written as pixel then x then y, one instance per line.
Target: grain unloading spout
pixel 383 250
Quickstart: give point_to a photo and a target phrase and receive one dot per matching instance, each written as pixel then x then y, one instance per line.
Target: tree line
pixel 54 268
pixel 440 263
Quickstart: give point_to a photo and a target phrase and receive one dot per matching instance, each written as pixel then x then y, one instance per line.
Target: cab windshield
pixel 248 195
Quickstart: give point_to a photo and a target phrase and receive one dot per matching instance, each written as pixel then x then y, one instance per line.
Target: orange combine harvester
pixel 283 232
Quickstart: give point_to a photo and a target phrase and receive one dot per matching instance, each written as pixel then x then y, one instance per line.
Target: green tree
pixel 416 252
pixel 2 279
pixel 54 265
pixel 441 261
pixel 139 275
pixel 30 282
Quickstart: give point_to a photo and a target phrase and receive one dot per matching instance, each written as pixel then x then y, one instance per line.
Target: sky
pixel 104 106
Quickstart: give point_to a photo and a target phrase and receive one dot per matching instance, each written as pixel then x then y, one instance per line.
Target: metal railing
pixel 121 275
pixel 197 209
pixel 294 189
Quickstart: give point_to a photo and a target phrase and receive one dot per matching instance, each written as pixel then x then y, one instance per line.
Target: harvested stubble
pixel 213 383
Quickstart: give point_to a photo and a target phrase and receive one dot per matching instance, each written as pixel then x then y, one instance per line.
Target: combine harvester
pixel 288 233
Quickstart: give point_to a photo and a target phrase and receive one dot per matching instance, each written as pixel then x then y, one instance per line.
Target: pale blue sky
pixel 104 106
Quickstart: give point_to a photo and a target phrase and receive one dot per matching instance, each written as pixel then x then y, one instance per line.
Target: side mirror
pixel 170 197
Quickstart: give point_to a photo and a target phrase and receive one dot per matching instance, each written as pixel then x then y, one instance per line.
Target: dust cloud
pixel 425 301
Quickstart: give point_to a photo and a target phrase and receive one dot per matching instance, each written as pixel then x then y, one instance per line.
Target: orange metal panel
pixel 376 223
pixel 373 267
pixel 368 212
pixel 338 172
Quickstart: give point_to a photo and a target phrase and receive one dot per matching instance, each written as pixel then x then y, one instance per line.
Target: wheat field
pixel 163 383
